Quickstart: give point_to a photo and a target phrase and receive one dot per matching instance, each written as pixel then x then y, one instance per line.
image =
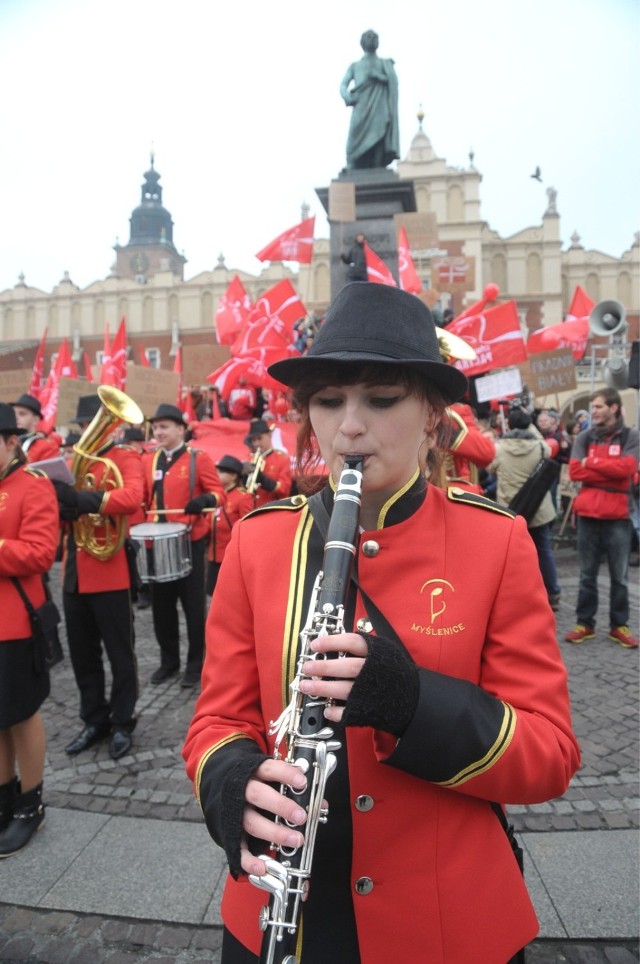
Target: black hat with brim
pixel 376 323
pixel 88 408
pixel 166 412
pixel 28 401
pixel 257 427
pixel 8 420
pixel 229 463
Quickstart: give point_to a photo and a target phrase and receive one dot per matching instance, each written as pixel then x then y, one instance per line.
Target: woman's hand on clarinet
pixel 336 676
pixel 261 794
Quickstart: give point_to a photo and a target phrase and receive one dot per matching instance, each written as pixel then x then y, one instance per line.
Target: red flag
pixel 177 368
pixel 271 320
pixel 409 280
pixel 114 372
pixel 377 271
pixel 144 358
pixel 106 353
pixel 62 367
pixel 253 368
pixel 571 333
pixel 233 310
pixel 37 375
pixel 581 305
pixel 88 371
pixel 296 244
pixel 495 336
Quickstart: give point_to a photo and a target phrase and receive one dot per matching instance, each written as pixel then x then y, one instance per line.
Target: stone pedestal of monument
pixel 380 193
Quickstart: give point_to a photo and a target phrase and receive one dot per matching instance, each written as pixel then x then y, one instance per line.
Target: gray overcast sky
pixel 241 103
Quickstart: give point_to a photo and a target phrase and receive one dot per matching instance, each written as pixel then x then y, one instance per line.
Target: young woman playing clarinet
pixel 447 701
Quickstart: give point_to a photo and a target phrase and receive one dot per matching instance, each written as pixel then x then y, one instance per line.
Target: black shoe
pixel 28 816
pixel 119 744
pixel 190 679
pixel 162 673
pixel 92 733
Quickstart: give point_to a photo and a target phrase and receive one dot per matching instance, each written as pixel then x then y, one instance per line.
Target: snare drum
pixel 164 550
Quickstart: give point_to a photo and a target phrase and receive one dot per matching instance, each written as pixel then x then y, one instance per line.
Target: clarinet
pixel 310 744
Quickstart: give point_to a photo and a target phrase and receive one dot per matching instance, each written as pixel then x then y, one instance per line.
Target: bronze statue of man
pixel 370 86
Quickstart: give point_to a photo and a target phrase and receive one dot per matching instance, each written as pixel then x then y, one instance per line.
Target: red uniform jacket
pixel 98 575
pixel 38 447
pixel 611 463
pixel 492 721
pixel 277 465
pixel 191 465
pixel 468 448
pixel 28 541
pixel 238 504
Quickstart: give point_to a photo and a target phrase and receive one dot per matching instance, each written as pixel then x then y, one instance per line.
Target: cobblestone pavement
pixel 151 782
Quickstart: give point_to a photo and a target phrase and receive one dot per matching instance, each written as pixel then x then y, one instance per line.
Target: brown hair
pixel 367 373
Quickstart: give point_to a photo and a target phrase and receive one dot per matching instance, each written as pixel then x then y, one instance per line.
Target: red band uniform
pixel 239 503
pixel 181 478
pixel 468 451
pixel 35 445
pixel 275 478
pixel 97 600
pixel 481 742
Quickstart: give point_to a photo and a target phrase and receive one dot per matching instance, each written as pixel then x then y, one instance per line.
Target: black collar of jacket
pixel 399 511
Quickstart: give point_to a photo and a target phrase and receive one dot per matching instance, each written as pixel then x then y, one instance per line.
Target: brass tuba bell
pixel 99 535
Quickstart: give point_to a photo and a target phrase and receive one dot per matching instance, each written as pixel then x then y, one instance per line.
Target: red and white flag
pixel 409 280
pixel 270 321
pixel 377 271
pixel 114 371
pixel 232 312
pixel 63 367
pixel 88 371
pixel 144 358
pixel 37 375
pixel 296 244
pixel 571 333
pixel 251 367
pixel 495 336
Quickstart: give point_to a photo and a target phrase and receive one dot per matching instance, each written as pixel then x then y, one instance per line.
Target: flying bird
pixel 537 174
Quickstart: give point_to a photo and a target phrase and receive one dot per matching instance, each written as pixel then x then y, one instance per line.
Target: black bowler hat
pixel 88 408
pixel 228 463
pixel 257 426
pixel 28 401
pixel 170 412
pixel 376 323
pixel 72 438
pixel 8 419
pixel 133 435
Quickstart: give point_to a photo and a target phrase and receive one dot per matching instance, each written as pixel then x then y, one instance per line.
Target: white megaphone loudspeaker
pixel 615 371
pixel 608 318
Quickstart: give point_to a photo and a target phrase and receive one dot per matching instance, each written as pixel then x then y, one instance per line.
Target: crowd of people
pixel 146 514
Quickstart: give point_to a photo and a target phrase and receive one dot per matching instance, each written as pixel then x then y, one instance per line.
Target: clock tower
pixel 150 248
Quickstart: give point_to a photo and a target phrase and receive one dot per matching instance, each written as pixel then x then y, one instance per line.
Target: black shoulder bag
pixel 44 620
pixel 527 499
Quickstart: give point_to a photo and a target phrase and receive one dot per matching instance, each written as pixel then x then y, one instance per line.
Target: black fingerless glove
pixel 89 502
pixel 267 484
pixel 195 506
pixel 223 807
pixel 385 692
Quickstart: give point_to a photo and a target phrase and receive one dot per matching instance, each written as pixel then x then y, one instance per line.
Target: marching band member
pixel 35 445
pixel 28 540
pixel 96 596
pixel 468 449
pixel 179 477
pixel 268 474
pixel 238 503
pixel 450 699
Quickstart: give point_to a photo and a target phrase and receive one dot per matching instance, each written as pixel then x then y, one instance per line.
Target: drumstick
pixel 175 511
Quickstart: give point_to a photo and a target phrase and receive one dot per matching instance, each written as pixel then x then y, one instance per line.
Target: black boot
pixel 8 794
pixel 28 816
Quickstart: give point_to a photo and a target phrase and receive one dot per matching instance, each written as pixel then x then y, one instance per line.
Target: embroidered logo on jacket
pixel 437 591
